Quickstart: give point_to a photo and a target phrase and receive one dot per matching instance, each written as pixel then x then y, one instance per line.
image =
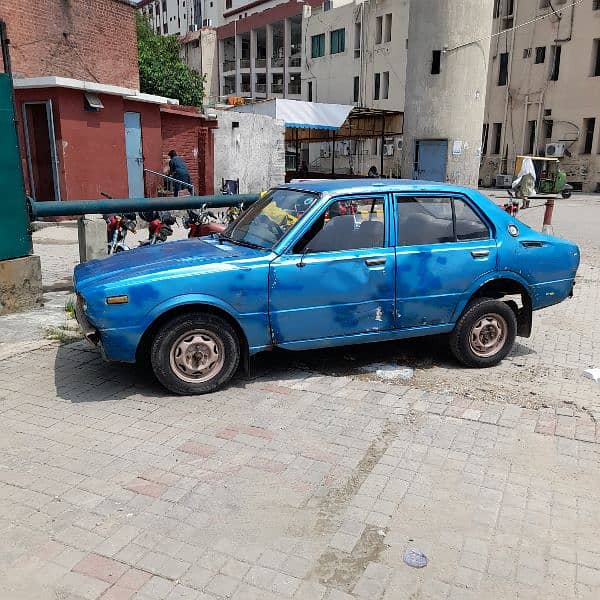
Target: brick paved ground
pixel 293 485
pixel 306 483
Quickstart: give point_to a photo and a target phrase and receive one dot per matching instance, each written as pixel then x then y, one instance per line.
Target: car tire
pixel 566 194
pixel 195 353
pixel 484 334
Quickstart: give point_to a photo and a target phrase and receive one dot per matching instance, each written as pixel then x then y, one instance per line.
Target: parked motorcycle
pixel 117 227
pixel 202 223
pixel 160 226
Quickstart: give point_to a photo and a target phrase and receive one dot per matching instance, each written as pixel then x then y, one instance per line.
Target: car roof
pixel 371 185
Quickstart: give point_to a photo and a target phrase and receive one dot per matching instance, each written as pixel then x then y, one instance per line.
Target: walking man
pixel 178 170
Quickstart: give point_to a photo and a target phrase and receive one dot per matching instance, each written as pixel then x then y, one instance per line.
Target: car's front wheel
pixel 195 353
pixel 484 334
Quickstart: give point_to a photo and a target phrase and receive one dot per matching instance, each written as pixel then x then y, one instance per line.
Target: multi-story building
pixel 356 54
pixel 177 17
pixel 543 93
pixel 261 46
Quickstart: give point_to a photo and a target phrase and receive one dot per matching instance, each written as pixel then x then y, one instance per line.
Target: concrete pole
pixel 450 105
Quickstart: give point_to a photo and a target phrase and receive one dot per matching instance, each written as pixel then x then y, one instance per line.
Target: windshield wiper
pixel 240 242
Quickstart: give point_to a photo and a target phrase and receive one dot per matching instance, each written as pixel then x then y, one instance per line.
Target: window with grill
pixel 503 70
pixel 338 41
pixel 540 55
pixel 589 125
pixel 318 45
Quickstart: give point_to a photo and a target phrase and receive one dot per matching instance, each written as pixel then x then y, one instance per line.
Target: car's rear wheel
pixel 484 334
pixel 195 353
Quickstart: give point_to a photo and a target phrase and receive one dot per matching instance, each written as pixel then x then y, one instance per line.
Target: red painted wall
pixel 91 145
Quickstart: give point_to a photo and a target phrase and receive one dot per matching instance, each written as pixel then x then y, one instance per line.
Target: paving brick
pixel 100 567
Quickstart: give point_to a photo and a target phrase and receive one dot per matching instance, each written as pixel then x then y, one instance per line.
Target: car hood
pixel 159 258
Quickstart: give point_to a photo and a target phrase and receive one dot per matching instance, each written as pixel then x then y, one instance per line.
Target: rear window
pixel 437 220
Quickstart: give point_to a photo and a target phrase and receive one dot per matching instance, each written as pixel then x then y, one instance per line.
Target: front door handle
pixel 480 253
pixel 373 262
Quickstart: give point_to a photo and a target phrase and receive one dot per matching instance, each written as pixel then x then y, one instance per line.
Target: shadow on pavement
pixel 82 376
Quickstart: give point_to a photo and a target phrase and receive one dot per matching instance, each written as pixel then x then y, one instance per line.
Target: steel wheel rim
pixel 197 356
pixel 488 336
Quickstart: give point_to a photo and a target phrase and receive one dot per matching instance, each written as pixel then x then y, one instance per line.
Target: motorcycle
pixel 117 227
pixel 160 226
pixel 202 223
pixel 512 206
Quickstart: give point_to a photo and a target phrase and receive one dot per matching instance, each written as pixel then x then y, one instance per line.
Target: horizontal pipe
pixel 121 205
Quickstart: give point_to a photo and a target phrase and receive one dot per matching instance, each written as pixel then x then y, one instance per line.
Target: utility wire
pixel 541 18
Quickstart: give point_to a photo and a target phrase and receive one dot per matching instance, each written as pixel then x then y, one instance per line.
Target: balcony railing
pixel 244 63
pixel 277 61
pixel 260 63
pixel 295 61
pixel 229 65
pixel 277 88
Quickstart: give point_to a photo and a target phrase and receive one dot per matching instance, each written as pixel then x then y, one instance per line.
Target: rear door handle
pixel 480 253
pixel 373 262
pixel 533 244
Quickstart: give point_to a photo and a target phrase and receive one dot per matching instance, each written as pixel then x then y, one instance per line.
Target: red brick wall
pixel 93 40
pixel 186 133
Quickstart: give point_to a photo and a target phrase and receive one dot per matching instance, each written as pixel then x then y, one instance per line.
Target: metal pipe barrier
pixel 120 205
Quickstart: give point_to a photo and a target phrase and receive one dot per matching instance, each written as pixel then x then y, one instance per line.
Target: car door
pixel 338 280
pixel 443 245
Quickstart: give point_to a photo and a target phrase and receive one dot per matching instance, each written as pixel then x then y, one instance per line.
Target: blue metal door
pixel 432 157
pixel 133 151
pixel 337 292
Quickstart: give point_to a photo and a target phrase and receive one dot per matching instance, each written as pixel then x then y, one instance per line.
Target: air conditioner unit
pixel 503 180
pixel 388 149
pixel 207 23
pixel 555 150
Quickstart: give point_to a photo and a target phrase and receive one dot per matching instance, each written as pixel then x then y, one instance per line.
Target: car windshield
pixel 266 222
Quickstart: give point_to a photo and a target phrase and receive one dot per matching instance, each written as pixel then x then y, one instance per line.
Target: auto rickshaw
pixel 550 179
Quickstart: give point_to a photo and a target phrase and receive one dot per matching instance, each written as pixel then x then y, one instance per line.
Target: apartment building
pixel 356 54
pixel 544 88
pixel 174 17
pixel 260 48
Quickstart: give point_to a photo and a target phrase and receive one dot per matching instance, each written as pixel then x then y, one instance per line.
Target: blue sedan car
pixel 324 264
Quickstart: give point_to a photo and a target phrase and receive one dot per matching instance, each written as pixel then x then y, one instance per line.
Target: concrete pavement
pixel 310 480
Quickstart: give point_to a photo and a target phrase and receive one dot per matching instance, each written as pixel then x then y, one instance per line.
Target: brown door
pixel 41 150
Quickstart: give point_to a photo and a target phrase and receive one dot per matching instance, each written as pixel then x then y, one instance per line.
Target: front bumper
pixel 89 331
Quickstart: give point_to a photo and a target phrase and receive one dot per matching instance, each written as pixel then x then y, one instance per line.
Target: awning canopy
pixel 301 115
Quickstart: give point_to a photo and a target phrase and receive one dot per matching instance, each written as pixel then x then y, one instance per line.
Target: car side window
pixel 424 220
pixel 349 224
pixel 468 224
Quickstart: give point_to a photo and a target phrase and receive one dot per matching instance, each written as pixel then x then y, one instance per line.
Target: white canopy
pixel 301 115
